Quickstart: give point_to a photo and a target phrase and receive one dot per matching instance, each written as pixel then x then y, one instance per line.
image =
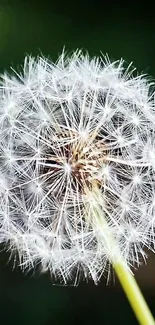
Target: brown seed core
pixel 84 156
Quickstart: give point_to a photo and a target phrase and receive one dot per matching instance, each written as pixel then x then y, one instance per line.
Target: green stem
pixel 133 294
pixel 127 280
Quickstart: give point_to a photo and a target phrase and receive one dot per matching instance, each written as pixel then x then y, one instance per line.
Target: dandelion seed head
pixel 77 165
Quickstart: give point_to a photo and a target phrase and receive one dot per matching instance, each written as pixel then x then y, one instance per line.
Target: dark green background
pixel 28 27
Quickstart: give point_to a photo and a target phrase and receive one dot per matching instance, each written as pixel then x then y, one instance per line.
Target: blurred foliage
pixel 31 27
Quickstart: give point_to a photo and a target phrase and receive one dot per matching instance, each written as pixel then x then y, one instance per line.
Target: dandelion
pixel 77 168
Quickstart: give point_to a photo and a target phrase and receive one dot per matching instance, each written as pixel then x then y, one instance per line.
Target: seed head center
pixel 81 159
pixel 86 160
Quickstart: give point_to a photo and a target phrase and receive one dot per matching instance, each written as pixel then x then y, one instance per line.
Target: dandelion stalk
pixel 77 169
pixel 122 271
pixel 133 294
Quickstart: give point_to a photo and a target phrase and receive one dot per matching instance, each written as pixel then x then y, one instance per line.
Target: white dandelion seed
pixel 77 160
